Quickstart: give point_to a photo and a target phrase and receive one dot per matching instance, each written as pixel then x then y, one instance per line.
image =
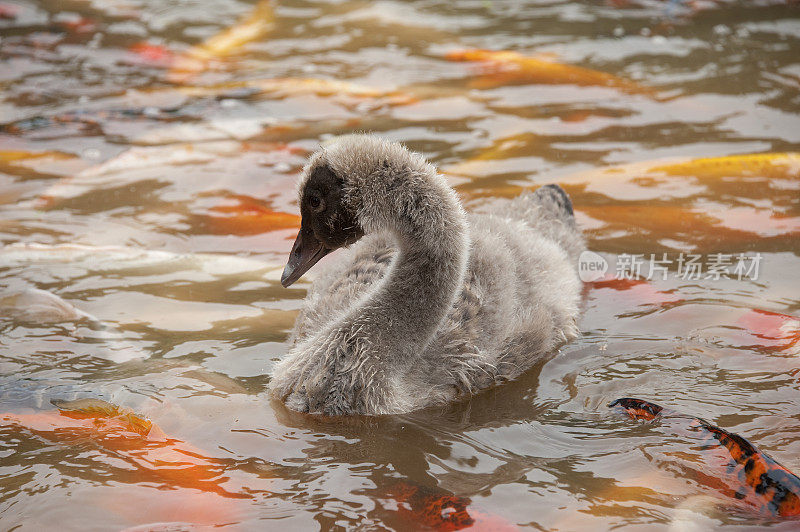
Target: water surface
pixel 170 307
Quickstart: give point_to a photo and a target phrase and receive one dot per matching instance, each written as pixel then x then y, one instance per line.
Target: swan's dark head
pixel 352 185
pixel 328 223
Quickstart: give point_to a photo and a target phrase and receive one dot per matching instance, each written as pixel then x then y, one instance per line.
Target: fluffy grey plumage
pixel 432 303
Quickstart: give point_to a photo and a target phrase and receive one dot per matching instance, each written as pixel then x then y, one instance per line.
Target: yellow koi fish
pixel 38 164
pixel 504 148
pixel 249 28
pixel 504 68
pixel 766 165
pixel 770 165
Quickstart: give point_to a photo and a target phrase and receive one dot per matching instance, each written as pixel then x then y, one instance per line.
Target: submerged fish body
pixel 634 292
pixel 247 217
pixel 769 165
pixel 746 473
pixel 39 164
pixel 711 204
pixel 651 180
pixel 513 67
pixel 435 509
pixel 773 331
pixel 784 166
pixel 154 457
pixel 251 27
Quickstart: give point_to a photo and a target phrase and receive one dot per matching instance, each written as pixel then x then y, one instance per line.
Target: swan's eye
pixel 316 204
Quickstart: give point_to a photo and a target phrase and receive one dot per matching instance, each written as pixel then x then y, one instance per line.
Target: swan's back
pixel 519 298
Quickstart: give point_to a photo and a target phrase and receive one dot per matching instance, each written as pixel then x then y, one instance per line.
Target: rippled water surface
pixel 146 210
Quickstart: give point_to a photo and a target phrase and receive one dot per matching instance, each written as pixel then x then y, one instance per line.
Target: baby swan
pixel 431 303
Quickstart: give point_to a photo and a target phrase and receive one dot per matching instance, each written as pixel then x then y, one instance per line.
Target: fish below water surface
pixel 730 463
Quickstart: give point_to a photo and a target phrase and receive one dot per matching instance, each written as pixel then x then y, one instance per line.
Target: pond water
pixel 146 211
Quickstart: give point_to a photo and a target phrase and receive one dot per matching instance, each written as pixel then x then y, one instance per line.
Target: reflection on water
pixel 148 153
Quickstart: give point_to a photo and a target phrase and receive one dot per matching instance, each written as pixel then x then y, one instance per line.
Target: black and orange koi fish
pixel 749 474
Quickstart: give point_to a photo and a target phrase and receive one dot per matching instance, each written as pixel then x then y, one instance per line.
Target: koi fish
pixel 39 164
pixel 40 306
pixel 649 180
pixel 748 474
pixel 755 167
pixel 282 88
pixel 9 11
pixel 151 457
pixel 769 165
pixel 439 510
pixel 637 291
pixel 774 331
pixel 152 54
pixel 114 259
pixel 249 28
pixel 247 217
pixel 504 148
pixel 141 442
pixel 10 157
pixel 75 23
pixel 743 224
pixel 512 67
pixel 168 105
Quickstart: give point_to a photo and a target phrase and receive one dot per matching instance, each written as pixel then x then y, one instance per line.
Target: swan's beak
pixel 306 252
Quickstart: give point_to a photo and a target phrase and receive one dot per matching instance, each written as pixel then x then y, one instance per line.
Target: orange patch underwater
pixel 433 509
pixel 247 217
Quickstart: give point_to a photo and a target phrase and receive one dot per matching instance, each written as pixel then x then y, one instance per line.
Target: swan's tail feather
pixel 548 210
pixel 555 199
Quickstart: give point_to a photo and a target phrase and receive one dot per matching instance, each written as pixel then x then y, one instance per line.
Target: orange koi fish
pixel 439 510
pixel 638 291
pixel 151 54
pixel 324 87
pixel 729 225
pixel 747 473
pixel 249 28
pixel 512 67
pixel 775 331
pixel 247 217
pixel 137 440
pixel 77 24
pixel 9 11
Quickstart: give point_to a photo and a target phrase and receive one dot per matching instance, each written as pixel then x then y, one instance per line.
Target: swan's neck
pixel 403 312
